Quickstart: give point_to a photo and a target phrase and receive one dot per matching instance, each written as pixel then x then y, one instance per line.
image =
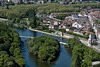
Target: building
pixel 92 40
pixel 40 2
pixel 90 0
pixel 54 24
pixel 77 25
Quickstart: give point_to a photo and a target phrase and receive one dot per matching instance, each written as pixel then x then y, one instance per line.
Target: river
pixel 64 59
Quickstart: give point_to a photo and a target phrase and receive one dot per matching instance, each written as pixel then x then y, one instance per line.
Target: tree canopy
pixel 46 48
pixel 10 50
pixel 82 56
pixel 62 16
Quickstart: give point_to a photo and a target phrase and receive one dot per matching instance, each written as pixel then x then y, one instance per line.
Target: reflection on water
pixel 64 59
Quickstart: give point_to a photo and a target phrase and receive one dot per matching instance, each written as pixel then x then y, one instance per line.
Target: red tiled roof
pixel 52 21
pixel 90 32
pixel 71 21
pixel 45 21
pixel 75 30
pixel 84 29
pixel 95 13
pixel 95 9
pixel 68 17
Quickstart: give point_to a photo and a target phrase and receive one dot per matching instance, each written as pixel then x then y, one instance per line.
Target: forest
pixel 46 48
pixel 16 13
pixel 10 49
pixel 82 56
pixel 20 11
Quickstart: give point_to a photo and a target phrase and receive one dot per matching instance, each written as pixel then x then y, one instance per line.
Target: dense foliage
pixel 62 16
pixel 46 48
pixel 82 56
pixel 62 30
pixel 10 52
pixel 20 11
pixel 85 5
pixel 78 35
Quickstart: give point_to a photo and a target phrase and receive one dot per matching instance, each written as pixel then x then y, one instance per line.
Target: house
pixel 42 15
pixel 51 26
pixel 68 18
pixel 45 23
pixel 71 29
pixel 40 2
pixel 54 24
pixel 74 16
pixel 82 15
pixel 95 10
pixel 98 17
pixel 68 22
pixel 31 2
pixel 62 26
pixel 77 25
pixel 85 29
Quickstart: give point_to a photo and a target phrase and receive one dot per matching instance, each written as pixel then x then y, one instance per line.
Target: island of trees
pixel 46 48
pixel 82 56
pixel 10 52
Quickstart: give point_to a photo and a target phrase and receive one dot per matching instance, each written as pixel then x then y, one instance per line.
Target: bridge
pixel 95 63
pixel 26 36
pixel 33 37
pixel 63 43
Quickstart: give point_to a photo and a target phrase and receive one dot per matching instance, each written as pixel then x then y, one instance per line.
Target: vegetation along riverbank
pixel 10 49
pixel 82 56
pixel 46 48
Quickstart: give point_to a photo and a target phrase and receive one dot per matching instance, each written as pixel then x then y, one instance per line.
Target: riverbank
pixel 67 36
pixel 49 33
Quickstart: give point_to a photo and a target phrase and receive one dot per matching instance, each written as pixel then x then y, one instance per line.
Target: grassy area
pixel 83 36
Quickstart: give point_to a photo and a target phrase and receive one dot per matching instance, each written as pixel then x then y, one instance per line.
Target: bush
pixel 77 35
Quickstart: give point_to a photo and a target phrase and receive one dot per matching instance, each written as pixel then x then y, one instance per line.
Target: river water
pixel 64 59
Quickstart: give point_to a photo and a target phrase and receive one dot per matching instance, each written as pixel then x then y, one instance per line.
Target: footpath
pixel 83 40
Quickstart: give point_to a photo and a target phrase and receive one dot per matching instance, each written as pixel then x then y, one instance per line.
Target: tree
pixel 82 56
pixel 20 61
pixel 45 48
pixel 9 47
pixel 62 16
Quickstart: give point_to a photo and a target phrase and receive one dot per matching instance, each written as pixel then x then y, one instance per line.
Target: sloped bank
pixel 82 56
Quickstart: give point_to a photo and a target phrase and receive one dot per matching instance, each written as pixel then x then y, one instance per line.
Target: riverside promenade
pixel 83 40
